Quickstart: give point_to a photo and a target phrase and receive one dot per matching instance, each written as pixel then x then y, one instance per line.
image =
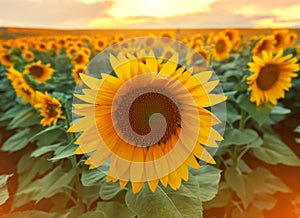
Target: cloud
pixel 75 14
pixel 51 13
pixel 221 14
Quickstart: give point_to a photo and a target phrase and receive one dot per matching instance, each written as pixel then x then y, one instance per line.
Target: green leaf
pixel 257 182
pixel 113 209
pixel 158 204
pixel 43 150
pixel 93 214
pixel 4 195
pixel 19 140
pixel 222 198
pixel 274 151
pixel 232 114
pixel 264 202
pixel 109 190
pixel 297 129
pixel 165 202
pixel 238 183
pixel 48 135
pixel 11 113
pixel 31 214
pixel 49 185
pixel 258 113
pixel 92 177
pixel 280 110
pixel 239 137
pixel 25 118
pixel 64 152
pixel 208 178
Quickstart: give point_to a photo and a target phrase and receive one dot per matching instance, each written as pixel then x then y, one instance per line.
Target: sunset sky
pixel 89 14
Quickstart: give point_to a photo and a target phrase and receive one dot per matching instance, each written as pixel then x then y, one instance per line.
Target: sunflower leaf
pixel 31 214
pixel 274 151
pixel 208 178
pixel 109 209
pixel 19 140
pixel 239 137
pixel 92 177
pixel 258 113
pixel 4 195
pixel 158 204
pixel 109 190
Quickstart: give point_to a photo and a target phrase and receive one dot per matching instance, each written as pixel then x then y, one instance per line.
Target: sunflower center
pixel 268 76
pixel 51 110
pixel 151 103
pixel 36 71
pixel 220 46
pixel 79 59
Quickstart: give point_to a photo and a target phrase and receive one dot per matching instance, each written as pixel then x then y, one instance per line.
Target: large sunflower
pixel 149 121
pixel 50 109
pixel 271 77
pixel 221 47
pixel 39 71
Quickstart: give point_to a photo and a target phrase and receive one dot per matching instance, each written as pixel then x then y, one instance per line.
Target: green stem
pixel 243 119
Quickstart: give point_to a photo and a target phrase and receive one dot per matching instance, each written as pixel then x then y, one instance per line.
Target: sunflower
pixel 281 38
pixel 80 58
pixel 298 50
pixel 292 38
pixel 221 47
pixel 196 40
pixel 167 37
pixel 71 51
pixel 197 58
pixel 271 77
pixel 21 86
pixel 28 55
pixel 100 44
pixel 76 71
pixel 167 53
pixel 266 43
pixel 6 59
pixel 39 72
pixel 41 46
pixel 234 37
pixel 50 109
pixel 150 42
pixel 114 121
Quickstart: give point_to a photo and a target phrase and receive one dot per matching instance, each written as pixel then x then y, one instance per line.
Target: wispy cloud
pixel 72 14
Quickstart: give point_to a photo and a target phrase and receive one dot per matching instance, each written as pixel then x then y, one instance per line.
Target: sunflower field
pixel 228 146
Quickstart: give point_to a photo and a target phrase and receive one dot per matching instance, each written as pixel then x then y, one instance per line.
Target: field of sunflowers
pixel 57 111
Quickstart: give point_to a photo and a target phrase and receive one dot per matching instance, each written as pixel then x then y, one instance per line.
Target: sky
pixel 96 14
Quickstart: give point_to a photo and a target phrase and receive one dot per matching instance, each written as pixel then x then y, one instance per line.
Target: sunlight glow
pixel 158 8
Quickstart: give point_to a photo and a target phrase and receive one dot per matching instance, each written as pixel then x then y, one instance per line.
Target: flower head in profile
pixel 149 119
pixel 281 39
pixel 38 71
pixel 50 109
pixel 234 37
pixel 272 75
pixel 266 43
pixel 22 88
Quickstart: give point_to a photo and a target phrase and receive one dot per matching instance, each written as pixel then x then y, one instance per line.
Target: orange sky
pixel 75 14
